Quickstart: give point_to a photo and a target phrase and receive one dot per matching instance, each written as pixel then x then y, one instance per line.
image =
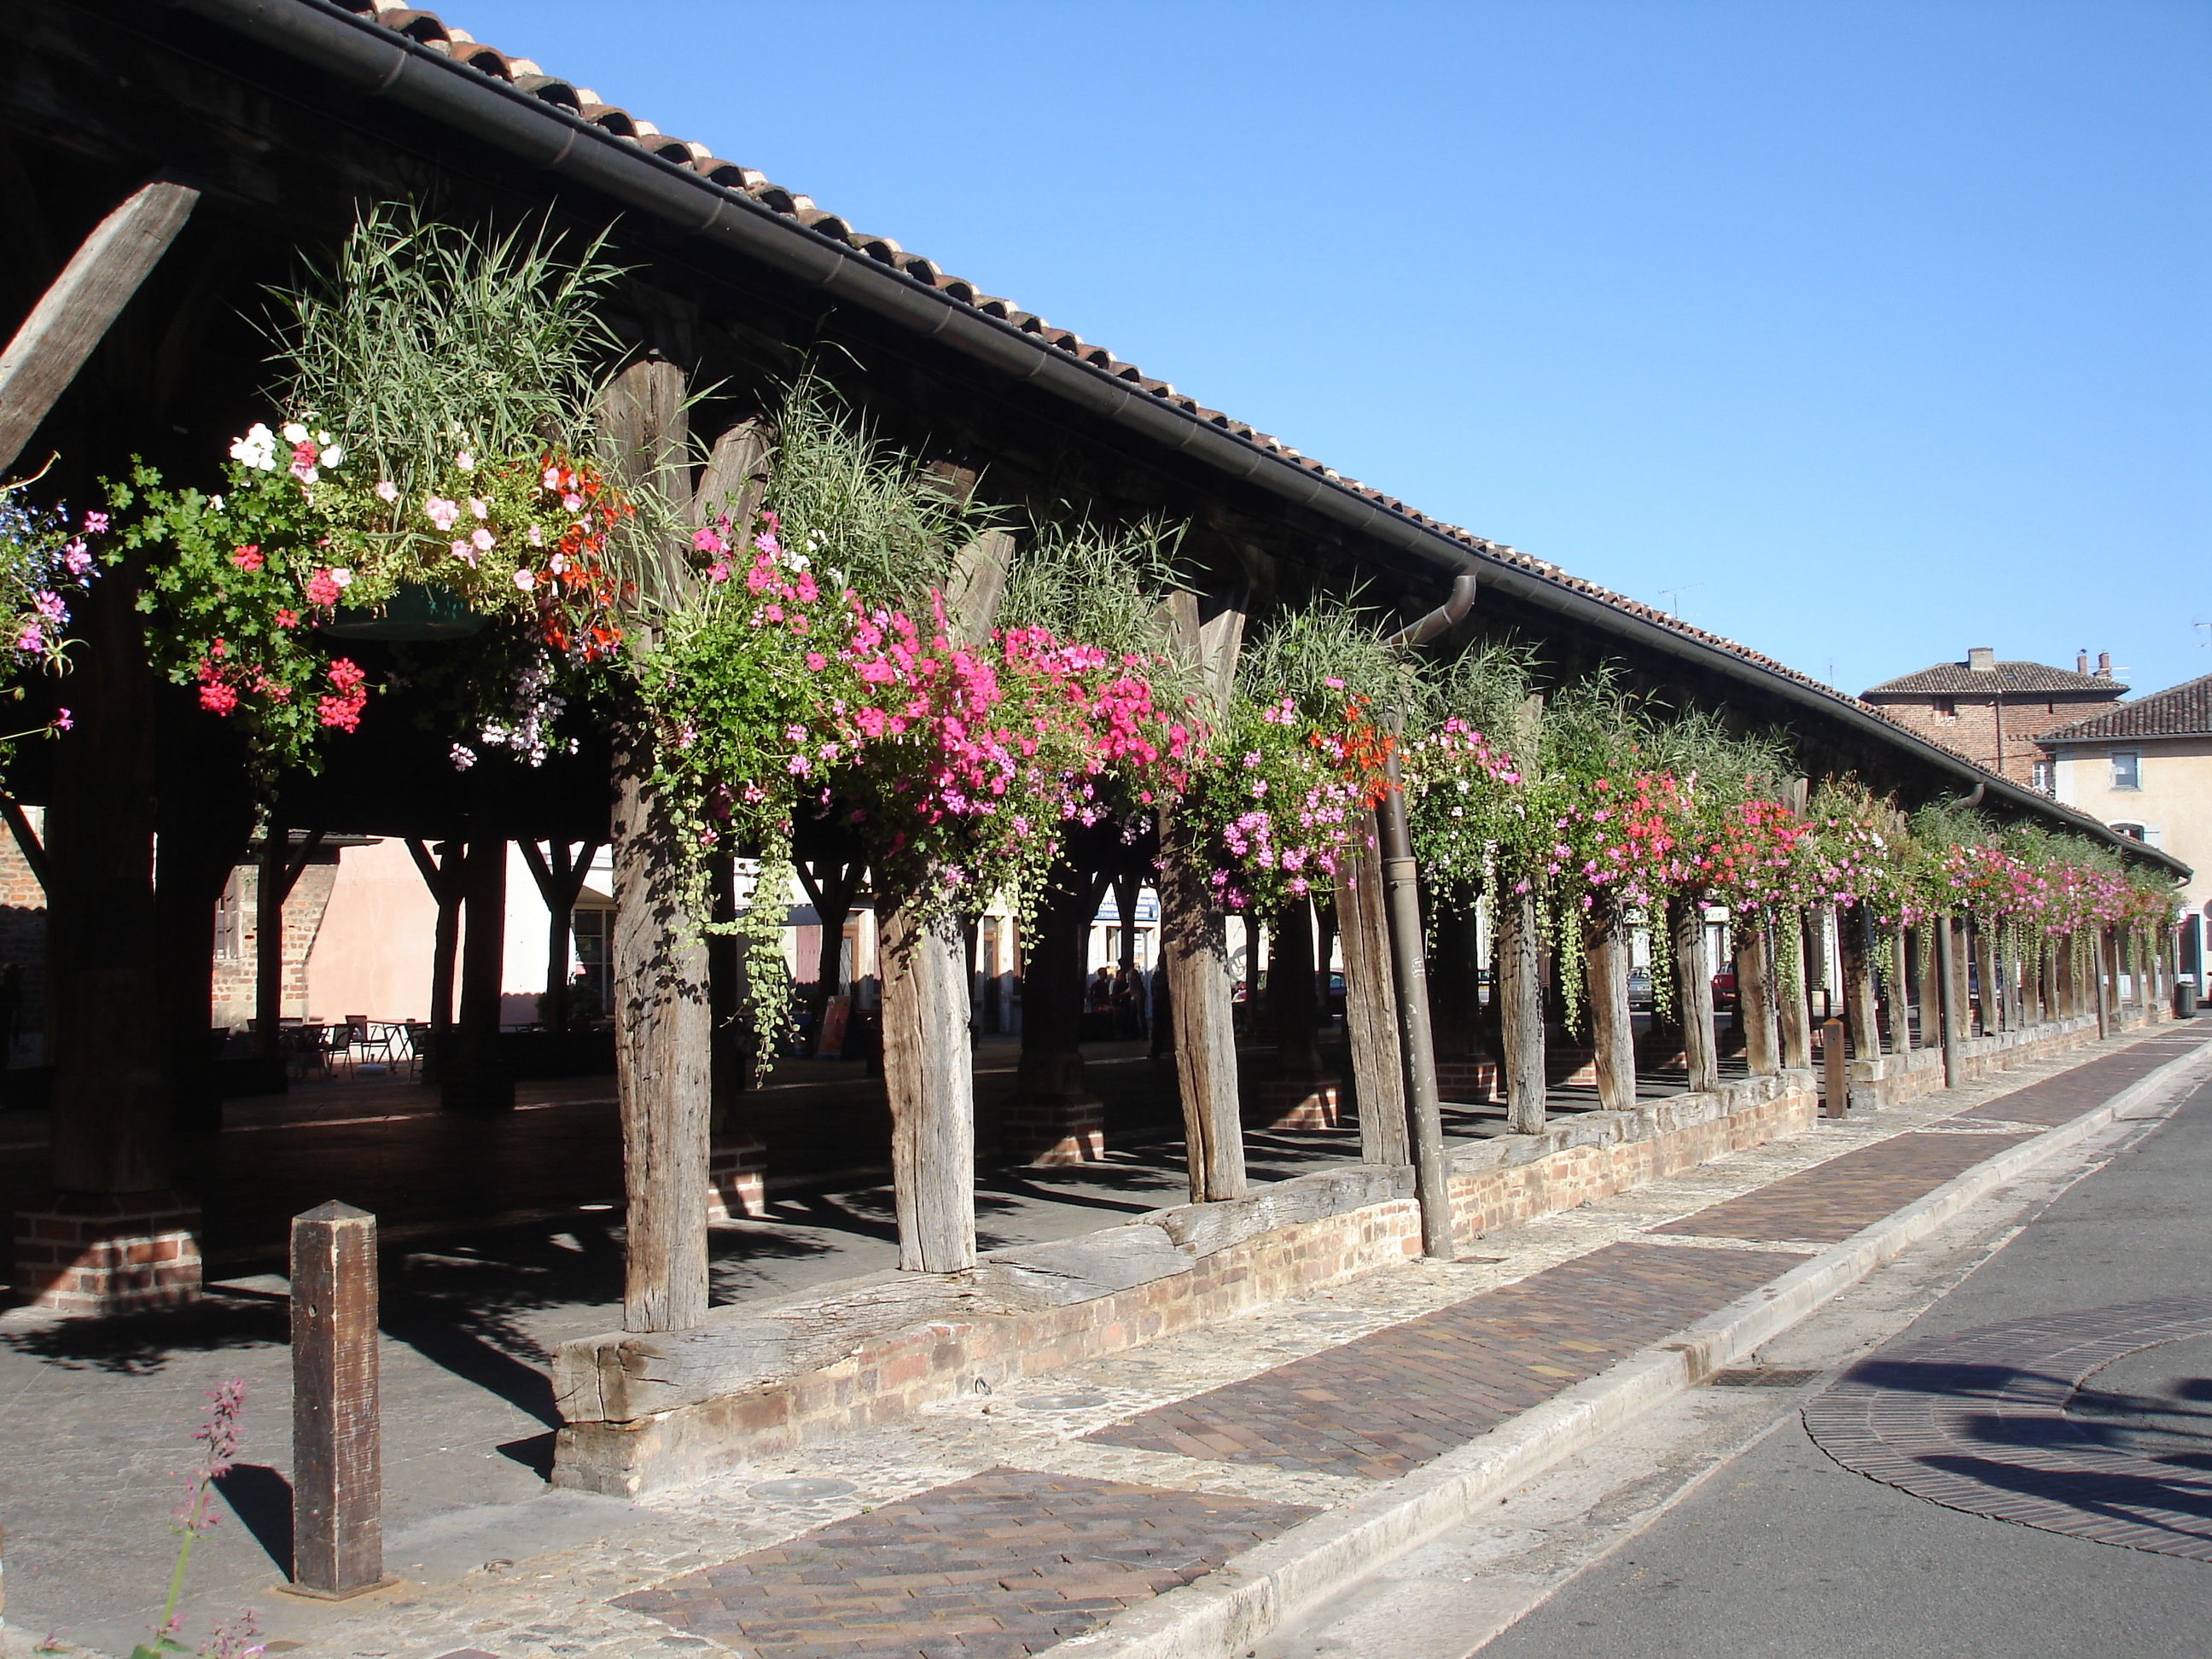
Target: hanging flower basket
pixel 415 610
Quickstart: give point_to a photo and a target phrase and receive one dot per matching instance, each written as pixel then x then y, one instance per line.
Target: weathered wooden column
pixel 475 1076
pixel 1612 1031
pixel 1795 1015
pixel 2103 981
pixel 1301 1095
pixel 1755 995
pixel 929 1076
pixel 1521 1002
pixel 2052 1007
pixel 663 1022
pixel 1371 1019
pixel 1901 992
pixel 1990 995
pixel 1951 995
pixel 1402 890
pixel 1693 992
pixel 1051 1117
pixel 1852 935
pixel 1194 942
pixel 338 1457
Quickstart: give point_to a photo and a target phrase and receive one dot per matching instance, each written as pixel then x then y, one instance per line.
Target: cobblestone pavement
pixel 550 1573
pixel 1388 1402
pixel 1993 1422
pixel 2055 1100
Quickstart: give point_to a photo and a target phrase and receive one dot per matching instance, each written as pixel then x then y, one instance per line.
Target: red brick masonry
pixel 114 1253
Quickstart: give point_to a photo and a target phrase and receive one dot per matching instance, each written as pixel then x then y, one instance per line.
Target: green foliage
pixel 420 338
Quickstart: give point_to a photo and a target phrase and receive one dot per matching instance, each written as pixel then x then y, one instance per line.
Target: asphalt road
pixel 1779 1552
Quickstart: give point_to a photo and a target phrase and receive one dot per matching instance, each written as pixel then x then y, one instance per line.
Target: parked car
pixel 1335 996
pixel 1639 989
pixel 1725 989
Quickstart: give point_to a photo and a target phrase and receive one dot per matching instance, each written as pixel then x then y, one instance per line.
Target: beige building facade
pixel 2145 767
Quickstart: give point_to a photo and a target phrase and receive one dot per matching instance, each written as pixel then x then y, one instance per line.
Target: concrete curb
pixel 1225 1613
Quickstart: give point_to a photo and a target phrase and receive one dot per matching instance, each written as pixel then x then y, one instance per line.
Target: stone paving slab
pixel 1002 1564
pixel 1831 1202
pixel 1386 1403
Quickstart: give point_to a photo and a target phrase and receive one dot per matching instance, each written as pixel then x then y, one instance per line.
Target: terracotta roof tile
pixel 2184 710
pixel 1946 677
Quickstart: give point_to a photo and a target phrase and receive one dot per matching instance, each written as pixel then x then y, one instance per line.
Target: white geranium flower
pixel 294 433
pixel 332 455
pixel 257 449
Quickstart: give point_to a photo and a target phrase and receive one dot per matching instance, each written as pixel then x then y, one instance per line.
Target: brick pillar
pixel 736 1178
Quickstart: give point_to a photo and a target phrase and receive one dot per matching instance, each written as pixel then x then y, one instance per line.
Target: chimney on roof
pixel 2081 661
pixel 2104 665
pixel 1982 658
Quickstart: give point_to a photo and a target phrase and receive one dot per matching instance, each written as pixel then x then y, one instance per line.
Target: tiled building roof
pixel 1947 678
pixel 2179 711
pixel 426 30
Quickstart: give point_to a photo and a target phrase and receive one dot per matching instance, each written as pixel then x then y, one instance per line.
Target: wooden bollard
pixel 1835 1071
pixel 337 1460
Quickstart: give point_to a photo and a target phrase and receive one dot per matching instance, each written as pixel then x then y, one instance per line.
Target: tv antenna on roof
pixel 1675 593
pixel 2207 640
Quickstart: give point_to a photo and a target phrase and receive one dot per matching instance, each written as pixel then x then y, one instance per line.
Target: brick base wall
pixel 1291 1102
pixel 1224 1269
pixel 1054 1133
pixel 736 1178
pixel 95 1253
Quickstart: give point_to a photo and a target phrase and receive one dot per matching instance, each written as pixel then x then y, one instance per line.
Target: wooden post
pixel 929 1076
pixel 1854 934
pixel 1989 998
pixel 559 870
pixel 75 313
pixel 1950 996
pixel 441 868
pixel 663 1017
pixel 474 1077
pixel 1754 996
pixel 1901 993
pixel 1409 960
pixel 1195 943
pixel 338 1481
pixel 1693 992
pixel 1835 1071
pixel 269 947
pixel 1796 1017
pixel 1612 1032
pixel 2104 980
pixel 1520 1005
pixel 1370 1020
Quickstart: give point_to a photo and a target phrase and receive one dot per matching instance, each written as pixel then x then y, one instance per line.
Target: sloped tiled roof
pixel 2027 677
pixel 2179 711
pixel 458 47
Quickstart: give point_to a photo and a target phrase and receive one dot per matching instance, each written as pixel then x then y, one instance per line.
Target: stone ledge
pixel 644 1410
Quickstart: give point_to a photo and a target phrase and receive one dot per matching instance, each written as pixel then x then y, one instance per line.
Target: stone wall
pixel 303 907
pixel 22 952
pixel 645 1411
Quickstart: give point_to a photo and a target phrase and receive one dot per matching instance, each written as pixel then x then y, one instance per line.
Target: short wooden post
pixel 1754 996
pixel 337 1479
pixel 1795 1017
pixel 1371 1017
pixel 1612 1032
pixel 928 1074
pixel 1521 1003
pixel 1693 992
pixel 1835 1071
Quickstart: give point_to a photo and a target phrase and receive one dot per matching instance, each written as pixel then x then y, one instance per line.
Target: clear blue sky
pixel 1879 329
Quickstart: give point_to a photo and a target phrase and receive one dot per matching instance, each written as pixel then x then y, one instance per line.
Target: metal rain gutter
pixel 363 54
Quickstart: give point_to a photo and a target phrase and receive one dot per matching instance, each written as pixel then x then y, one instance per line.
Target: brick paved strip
pixel 2065 1095
pixel 1002 1564
pixel 1389 1402
pixel 1831 1202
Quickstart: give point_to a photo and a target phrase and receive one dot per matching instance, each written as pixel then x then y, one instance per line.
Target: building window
pixel 2043 776
pixel 590 934
pixel 229 935
pixel 2132 831
pixel 2127 769
pixel 1946 708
